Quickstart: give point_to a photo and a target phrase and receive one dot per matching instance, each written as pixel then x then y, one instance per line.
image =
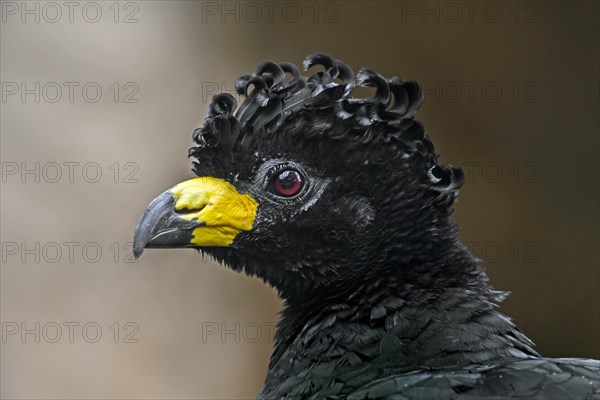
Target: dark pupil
pixel 288 179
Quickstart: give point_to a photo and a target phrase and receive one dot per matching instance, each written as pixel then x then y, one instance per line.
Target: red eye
pixel 288 183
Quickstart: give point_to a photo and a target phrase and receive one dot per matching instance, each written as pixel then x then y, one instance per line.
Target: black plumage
pixel 382 301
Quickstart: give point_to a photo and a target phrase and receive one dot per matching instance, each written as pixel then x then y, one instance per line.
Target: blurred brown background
pixel 511 95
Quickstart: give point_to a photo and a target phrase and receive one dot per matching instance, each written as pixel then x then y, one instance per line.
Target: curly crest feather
pixel 321 105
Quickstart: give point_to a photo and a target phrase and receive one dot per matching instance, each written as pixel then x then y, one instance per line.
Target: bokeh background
pixel 511 94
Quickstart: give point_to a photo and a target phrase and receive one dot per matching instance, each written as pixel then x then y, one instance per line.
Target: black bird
pixel 341 204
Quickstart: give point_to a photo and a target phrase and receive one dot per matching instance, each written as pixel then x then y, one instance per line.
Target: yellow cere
pixel 218 204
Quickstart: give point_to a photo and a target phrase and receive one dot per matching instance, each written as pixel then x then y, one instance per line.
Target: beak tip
pixel 137 252
pixel 138 245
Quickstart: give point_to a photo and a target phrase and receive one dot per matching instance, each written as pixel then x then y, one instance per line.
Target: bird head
pixel 304 185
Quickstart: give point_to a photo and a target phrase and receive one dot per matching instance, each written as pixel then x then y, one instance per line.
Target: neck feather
pixel 398 323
